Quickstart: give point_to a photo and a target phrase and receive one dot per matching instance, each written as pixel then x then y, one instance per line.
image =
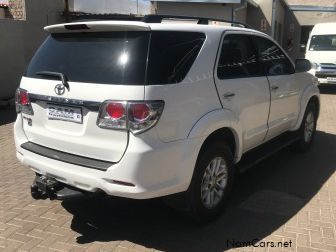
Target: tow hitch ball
pixel 44 187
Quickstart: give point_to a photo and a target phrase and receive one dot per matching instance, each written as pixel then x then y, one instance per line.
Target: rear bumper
pixel 149 168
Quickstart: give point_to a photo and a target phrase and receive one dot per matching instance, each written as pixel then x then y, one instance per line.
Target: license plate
pixel 71 114
pixel 331 79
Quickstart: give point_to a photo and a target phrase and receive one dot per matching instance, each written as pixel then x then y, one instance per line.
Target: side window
pixel 171 55
pixel 272 58
pixel 238 58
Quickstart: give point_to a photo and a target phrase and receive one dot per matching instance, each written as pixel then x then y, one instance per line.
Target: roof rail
pixel 201 20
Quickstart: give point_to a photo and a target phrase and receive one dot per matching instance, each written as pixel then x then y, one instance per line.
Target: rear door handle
pixel 228 95
pixel 274 88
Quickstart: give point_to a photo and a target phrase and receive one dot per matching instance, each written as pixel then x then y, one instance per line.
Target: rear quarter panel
pixel 190 100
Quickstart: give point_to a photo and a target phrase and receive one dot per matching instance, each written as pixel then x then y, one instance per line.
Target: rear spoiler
pixel 98 26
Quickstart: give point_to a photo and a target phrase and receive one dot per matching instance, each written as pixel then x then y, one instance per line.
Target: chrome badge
pixel 59 89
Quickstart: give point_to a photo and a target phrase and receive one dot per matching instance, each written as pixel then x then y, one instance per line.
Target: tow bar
pixel 45 187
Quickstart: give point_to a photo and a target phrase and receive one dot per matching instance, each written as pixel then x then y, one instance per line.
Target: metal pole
pixel 66 10
pixel 274 7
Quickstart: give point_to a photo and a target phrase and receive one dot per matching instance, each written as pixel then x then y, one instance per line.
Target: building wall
pixel 279 23
pixel 292 36
pixel 140 7
pixel 266 9
pixel 221 11
pixel 19 39
pixel 256 18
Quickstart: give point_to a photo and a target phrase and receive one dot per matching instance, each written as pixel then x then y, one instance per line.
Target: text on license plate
pixel 56 112
pixel 331 79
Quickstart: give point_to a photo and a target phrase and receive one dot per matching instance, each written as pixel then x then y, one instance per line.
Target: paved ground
pixel 289 197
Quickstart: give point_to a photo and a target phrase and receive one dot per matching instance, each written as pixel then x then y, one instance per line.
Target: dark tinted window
pixel 114 58
pixel 172 55
pixel 238 58
pixel 272 58
pixel 323 43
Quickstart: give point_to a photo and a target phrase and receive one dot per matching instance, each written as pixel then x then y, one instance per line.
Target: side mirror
pixel 302 47
pixel 302 65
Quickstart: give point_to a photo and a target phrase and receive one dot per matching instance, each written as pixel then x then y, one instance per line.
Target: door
pixel 242 87
pixel 283 85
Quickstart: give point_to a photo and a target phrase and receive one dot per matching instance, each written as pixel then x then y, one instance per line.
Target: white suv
pixel 149 109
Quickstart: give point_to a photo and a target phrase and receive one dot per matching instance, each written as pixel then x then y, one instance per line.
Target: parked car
pixel 321 51
pixel 151 109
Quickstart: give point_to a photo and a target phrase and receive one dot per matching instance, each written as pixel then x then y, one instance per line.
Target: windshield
pixel 323 43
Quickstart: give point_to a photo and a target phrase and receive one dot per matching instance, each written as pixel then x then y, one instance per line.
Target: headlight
pixel 316 66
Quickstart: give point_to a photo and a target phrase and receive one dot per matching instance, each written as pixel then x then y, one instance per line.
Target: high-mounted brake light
pixel 22 102
pixel 130 115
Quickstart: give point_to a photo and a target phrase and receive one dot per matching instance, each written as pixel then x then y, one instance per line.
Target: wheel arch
pixel 315 99
pixel 226 135
pixel 219 124
pixel 310 94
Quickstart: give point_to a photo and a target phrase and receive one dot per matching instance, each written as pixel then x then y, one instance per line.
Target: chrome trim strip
pixel 90 105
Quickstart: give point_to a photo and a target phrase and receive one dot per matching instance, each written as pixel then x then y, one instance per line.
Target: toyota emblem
pixel 59 89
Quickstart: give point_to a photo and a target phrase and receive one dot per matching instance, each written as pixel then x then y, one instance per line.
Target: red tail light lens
pixel 115 110
pixel 22 102
pixel 140 111
pixel 113 115
pixel 23 98
pixel 127 115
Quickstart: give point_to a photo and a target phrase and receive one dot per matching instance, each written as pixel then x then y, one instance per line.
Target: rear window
pixel 118 57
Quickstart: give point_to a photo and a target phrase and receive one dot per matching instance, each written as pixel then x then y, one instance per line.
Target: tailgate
pixel 98 66
pixel 83 138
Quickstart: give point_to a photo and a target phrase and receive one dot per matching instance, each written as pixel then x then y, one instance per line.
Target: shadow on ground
pixel 7 115
pixel 264 199
pixel 328 89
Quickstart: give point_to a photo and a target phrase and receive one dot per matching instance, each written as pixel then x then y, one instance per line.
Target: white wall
pixel 266 8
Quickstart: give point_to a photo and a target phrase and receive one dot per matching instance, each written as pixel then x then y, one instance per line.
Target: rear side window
pixel 272 58
pixel 238 58
pixel 171 55
pixel 112 58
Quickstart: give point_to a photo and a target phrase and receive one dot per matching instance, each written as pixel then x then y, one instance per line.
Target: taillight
pixel 112 115
pixel 22 102
pixel 140 111
pixel 115 110
pixel 134 116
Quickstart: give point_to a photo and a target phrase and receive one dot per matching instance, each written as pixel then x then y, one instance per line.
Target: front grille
pixel 324 75
pixel 326 70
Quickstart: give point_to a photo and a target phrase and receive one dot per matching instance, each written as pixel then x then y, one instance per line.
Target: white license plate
pixel 71 114
pixel 331 79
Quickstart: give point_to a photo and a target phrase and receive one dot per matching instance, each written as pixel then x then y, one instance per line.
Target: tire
pixel 307 129
pixel 206 204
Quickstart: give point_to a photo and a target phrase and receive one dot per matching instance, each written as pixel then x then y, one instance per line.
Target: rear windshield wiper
pixel 62 77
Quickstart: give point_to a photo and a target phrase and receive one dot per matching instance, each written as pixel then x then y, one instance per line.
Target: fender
pixel 217 119
pixel 307 94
